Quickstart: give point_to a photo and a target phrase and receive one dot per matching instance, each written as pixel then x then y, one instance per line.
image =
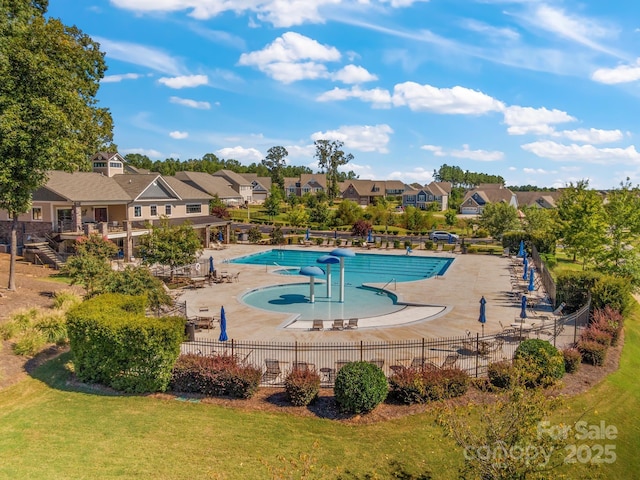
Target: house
pixel 394 188
pixel 363 192
pixel 475 200
pixel 307 183
pixel 118 206
pixel 538 199
pixel 435 192
pixel 261 186
pixel 238 183
pixel 212 185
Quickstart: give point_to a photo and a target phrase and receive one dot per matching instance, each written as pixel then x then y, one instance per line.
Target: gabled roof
pixel 490 193
pixel 209 184
pixel 366 187
pixel 444 186
pixel 81 187
pixel 394 185
pixel 107 156
pixel 290 182
pixel 262 182
pixel 233 177
pixel 541 199
pixel 314 180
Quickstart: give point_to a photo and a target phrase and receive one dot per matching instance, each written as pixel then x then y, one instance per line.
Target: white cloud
pixel 178 135
pixel 524 120
pixel 292 57
pixel 353 74
pixel 418 174
pixel 240 153
pixel 120 77
pixel 364 138
pixel 379 97
pixel 466 152
pixel 592 135
pixel 456 100
pixel 140 55
pixel 496 33
pixel 187 102
pixel 143 151
pixel 184 81
pixel 536 171
pixel 300 152
pixel 364 172
pixel 619 74
pixel 582 153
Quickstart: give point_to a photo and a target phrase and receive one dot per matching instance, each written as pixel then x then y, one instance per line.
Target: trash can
pixel 190 330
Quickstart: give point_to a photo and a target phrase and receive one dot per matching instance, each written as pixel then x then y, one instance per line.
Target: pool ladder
pixel 395 286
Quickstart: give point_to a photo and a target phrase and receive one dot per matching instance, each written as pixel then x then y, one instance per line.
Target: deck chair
pixel 318 325
pixel 304 366
pixel 338 324
pixel 450 361
pixel 352 324
pixel 273 370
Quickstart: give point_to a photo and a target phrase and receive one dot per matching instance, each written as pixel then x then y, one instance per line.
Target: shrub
pixel 608 320
pixel 360 387
pixel 66 299
pixel 501 373
pixel 592 352
pixel 595 335
pixel 396 244
pixel 428 244
pixel 217 375
pixel 29 343
pixel 53 328
pixel 302 386
pixel 412 385
pixel 541 361
pixel 572 359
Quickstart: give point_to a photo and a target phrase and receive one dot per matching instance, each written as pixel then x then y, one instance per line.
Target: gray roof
pixel 208 183
pixel 233 177
pixel 82 187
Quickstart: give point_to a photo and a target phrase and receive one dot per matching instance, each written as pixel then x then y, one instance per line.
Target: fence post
pixel 295 353
pixel 477 351
pixel 422 357
pixel 232 347
pixel 361 346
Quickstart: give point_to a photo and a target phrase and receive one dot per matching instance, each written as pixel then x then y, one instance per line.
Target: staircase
pixel 44 254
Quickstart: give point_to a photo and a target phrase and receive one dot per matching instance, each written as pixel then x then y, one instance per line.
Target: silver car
pixel 441 236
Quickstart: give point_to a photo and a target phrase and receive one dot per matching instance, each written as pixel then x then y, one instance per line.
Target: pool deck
pixel 453 299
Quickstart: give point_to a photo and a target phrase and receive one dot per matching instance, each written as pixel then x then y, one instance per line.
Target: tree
pixel 170 245
pixel 330 157
pixel 49 119
pixel 320 213
pixel 255 235
pixel 450 217
pixel 272 203
pixel 584 223
pixel 298 216
pixel 498 218
pixel 137 281
pixel 360 228
pixel 90 267
pixel 347 213
pixel 275 163
pixel 138 160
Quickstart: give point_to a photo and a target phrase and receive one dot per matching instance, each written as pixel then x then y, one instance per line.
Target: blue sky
pixel 540 92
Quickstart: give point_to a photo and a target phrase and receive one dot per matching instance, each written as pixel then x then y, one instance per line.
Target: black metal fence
pixel 470 353
pixel 545 275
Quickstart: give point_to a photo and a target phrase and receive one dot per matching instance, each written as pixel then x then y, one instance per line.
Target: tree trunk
pixel 14 253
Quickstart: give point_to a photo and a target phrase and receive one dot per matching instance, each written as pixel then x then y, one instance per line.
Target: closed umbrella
pixel 370 237
pixel 483 313
pixel 220 237
pixel 223 326
pixel 521 251
pixel 307 236
pixel 525 265
pixel 531 286
pixel 210 265
pixel 523 310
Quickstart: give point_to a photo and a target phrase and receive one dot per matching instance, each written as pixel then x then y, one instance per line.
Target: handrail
pixel 395 286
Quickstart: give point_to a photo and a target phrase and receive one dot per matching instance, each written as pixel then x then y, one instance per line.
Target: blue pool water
pixel 359 301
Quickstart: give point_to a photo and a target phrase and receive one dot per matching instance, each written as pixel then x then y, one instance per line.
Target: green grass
pixel 49 430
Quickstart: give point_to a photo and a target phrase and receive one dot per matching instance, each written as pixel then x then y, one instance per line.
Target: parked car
pixel 441 236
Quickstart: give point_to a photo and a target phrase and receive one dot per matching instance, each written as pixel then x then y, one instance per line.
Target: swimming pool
pixel 359 301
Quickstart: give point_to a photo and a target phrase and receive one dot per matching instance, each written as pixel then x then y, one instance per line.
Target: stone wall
pixel 25 229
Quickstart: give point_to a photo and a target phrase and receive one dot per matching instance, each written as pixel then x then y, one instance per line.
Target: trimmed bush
pixel 595 335
pixel 572 359
pixel 541 361
pixel 302 386
pixel 29 343
pixel 608 320
pixel 412 385
pixel 113 343
pixel 501 374
pixel 218 375
pixel 360 387
pixel 592 352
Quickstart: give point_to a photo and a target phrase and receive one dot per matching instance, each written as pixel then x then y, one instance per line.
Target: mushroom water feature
pixel 311 272
pixel 341 253
pixel 328 260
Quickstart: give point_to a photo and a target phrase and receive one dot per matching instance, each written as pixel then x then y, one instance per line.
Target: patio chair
pixel 352 324
pixel 423 364
pixel 304 366
pixel 273 370
pixel 450 361
pixel 338 324
pixel 203 322
pixel 317 325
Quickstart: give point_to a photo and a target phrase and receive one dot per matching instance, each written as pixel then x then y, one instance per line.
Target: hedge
pixel 360 387
pixel 113 343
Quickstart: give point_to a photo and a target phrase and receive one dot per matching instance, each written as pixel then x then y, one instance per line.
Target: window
pixel 194 208
pixel 36 213
pixel 153 210
pixel 137 211
pixel 115 165
pixel 306 189
pixel 167 209
pixel 99 164
pixel 422 197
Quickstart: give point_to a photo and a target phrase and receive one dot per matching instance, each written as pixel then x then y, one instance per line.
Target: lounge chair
pixel 304 366
pixel 338 324
pixel 352 324
pixel 273 370
pixel 450 361
pixel 203 322
pixel 423 364
pixel 318 325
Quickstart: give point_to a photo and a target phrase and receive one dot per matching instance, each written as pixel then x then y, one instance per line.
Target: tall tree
pixel 275 163
pixel 330 157
pixel 584 223
pixel 498 218
pixel 49 118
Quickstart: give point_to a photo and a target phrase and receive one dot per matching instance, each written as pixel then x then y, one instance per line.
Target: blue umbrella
pixel 521 251
pixel 335 234
pixel 223 326
pixel 370 237
pixel 523 311
pixel 525 265
pixel 307 236
pixel 210 265
pixel 531 286
pixel 220 237
pixel 483 313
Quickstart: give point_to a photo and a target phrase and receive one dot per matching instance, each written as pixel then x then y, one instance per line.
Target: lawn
pixel 50 430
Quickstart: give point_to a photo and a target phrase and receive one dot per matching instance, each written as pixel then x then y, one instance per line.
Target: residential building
pixel 261 186
pixel 238 183
pixel 363 192
pixel 212 185
pixel 476 199
pixel 435 192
